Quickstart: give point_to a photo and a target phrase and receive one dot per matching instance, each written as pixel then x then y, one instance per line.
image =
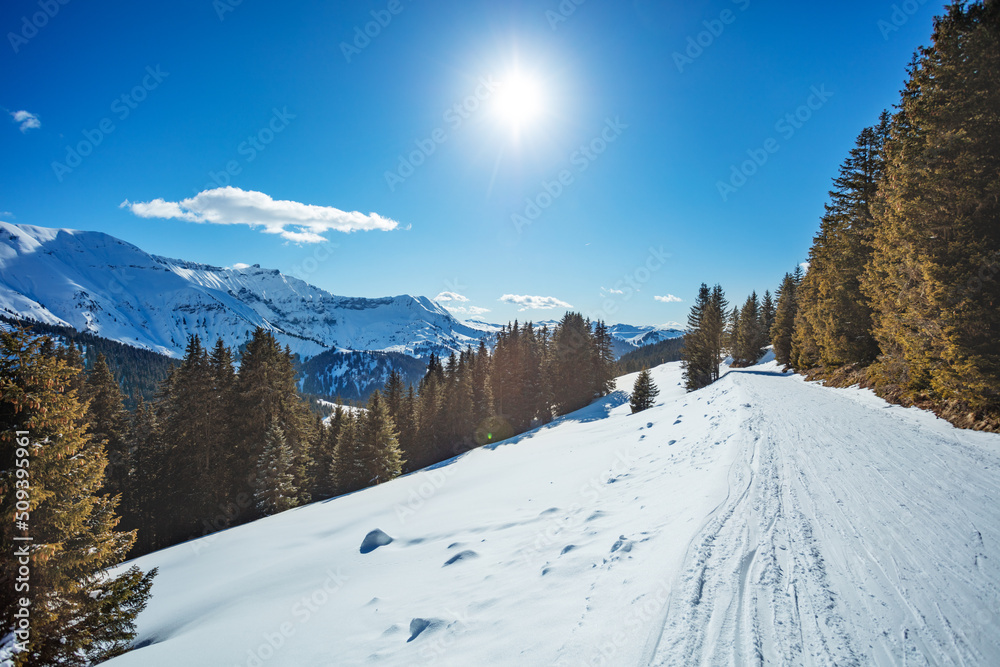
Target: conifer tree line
pixel 902 285
pixel 481 396
pixel 714 331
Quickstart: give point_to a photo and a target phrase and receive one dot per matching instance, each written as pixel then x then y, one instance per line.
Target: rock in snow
pixel 374 540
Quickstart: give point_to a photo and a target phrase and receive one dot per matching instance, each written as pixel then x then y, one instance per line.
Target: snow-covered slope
pixel 92 281
pixel 760 520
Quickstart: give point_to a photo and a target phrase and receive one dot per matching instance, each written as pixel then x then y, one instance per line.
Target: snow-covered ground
pixel 349 409
pixel 760 520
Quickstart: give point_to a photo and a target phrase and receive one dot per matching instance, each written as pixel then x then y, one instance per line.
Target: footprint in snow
pixel 672 442
pixel 623 544
pixel 374 540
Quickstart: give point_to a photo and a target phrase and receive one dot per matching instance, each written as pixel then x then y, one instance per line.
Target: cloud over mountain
pixel 294 221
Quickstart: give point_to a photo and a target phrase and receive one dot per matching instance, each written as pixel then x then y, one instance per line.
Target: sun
pixel 518 100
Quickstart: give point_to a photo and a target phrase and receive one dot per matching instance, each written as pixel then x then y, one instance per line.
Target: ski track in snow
pixel 762 520
pixel 844 539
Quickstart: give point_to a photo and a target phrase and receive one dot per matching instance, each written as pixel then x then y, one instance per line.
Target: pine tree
pixel 220 406
pixel 750 338
pixel 143 498
pixel 428 444
pixel 79 613
pixel 784 319
pixel 604 360
pixel 408 428
pixel 381 459
pixel 767 315
pixel 348 464
pixel 395 394
pixel 325 456
pixel 108 424
pixel 714 326
pixel 699 343
pixel 644 392
pixel 732 330
pixel 274 490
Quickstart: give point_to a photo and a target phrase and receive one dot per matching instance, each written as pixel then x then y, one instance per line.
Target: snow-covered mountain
pixel 628 337
pixel 95 282
pixel 761 520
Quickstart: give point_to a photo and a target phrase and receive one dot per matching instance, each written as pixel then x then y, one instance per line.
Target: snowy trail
pixel 853 533
pixel 761 520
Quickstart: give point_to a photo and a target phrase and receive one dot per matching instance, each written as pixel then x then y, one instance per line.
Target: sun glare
pixel 519 100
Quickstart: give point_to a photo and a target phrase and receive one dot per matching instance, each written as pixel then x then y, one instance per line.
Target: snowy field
pixel 760 520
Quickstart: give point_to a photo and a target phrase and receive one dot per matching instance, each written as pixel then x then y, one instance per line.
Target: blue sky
pixel 623 154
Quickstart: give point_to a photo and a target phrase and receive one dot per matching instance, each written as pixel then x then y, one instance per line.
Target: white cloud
pixel 670 298
pixel 451 296
pixel 534 302
pixel 297 222
pixel 28 120
pixel 466 310
pixel 610 290
pixel 239 266
pixel 805 267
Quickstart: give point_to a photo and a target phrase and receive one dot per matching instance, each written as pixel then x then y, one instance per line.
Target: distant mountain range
pixel 94 282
